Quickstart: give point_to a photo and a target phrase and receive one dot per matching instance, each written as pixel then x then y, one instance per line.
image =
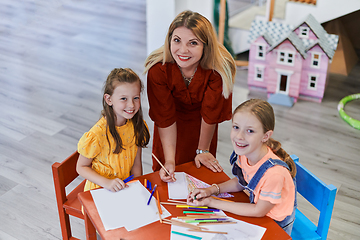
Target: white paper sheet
pixel 178 189
pixel 127 208
pixel 241 230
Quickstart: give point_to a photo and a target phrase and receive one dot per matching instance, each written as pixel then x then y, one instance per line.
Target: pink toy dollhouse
pixel 290 63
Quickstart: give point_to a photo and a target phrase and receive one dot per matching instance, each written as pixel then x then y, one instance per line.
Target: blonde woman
pixel 189 84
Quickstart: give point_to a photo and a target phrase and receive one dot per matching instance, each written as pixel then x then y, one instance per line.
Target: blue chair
pixel 321 196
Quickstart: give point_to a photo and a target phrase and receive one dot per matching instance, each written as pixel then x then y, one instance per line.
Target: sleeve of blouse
pixel 88 145
pixel 215 108
pixel 162 107
pixel 272 188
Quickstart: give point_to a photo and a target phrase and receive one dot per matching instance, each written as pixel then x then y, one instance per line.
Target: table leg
pixel 90 229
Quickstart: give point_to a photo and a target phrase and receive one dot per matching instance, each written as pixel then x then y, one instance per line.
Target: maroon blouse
pixel 172 101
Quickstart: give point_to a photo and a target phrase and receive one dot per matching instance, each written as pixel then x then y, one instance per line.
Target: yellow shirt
pixel 94 144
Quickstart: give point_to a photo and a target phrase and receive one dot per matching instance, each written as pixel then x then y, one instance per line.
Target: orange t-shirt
pixel 276 186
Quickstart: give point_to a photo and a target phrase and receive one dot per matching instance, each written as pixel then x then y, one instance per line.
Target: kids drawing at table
pixel 261 167
pixel 111 151
pixel 189 84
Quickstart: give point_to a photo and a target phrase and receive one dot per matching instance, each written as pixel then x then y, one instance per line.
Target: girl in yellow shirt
pixel 111 150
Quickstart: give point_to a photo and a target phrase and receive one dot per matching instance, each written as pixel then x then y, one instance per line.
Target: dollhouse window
pixel 312 82
pixel 304 32
pixel 259 73
pixel 286 58
pixel 315 60
pixel 260 52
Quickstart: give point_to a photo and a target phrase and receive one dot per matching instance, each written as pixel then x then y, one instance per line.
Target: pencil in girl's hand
pixel 162 166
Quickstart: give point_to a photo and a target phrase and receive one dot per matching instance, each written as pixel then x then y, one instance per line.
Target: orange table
pixel 157 230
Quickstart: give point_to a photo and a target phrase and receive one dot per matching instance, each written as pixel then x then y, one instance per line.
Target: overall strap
pixel 250 187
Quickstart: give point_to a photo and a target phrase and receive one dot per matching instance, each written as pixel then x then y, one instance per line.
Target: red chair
pixel 68 204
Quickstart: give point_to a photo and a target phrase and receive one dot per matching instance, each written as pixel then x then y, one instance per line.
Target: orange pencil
pixel 158 201
pixel 226 200
pixel 145 183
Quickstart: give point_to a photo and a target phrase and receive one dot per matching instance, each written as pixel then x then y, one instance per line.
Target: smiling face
pixel 248 137
pixel 125 101
pixel 186 49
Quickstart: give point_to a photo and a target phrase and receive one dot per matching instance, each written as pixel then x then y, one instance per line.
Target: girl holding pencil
pixel 261 166
pixel 111 150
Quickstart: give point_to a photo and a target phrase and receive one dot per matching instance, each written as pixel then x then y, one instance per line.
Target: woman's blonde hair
pixel 215 56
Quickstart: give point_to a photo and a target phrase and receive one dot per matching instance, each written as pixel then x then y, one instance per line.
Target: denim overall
pixel 288 222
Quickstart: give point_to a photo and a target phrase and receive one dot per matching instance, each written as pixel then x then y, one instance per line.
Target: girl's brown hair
pixel 265 113
pixel 215 56
pixel 142 135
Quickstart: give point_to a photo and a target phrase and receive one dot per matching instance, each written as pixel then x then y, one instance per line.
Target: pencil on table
pixel 158 201
pixel 162 166
pixel 226 200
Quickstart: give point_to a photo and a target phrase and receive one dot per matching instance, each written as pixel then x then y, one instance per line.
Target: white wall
pixel 323 11
pixel 160 13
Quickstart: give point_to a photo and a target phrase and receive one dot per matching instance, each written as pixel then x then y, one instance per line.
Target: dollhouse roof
pixel 278 32
pixel 296 42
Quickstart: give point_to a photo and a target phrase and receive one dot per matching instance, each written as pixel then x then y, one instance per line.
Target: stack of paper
pixel 127 208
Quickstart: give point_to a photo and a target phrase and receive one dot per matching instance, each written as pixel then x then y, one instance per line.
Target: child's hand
pixel 171 169
pixel 115 185
pixel 199 197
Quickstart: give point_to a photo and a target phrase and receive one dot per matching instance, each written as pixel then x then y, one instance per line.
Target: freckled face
pixel 186 49
pixel 125 101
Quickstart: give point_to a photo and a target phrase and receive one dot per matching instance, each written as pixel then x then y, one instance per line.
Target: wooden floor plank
pixel 54 59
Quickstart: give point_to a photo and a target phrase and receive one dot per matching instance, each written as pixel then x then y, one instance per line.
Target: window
pixel 259 73
pixel 315 60
pixel 286 58
pixel 312 82
pixel 303 32
pixel 260 52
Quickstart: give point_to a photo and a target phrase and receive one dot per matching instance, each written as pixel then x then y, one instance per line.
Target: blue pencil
pixel 152 193
pixel 128 179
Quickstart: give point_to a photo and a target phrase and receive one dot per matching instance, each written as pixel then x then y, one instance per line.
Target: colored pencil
pixel 189 206
pixel 152 193
pixel 158 201
pixel 182 224
pixel 162 166
pixel 222 199
pixel 128 179
pixel 145 183
pixel 182 202
pixel 186 235
pixel 195 230
pixel 214 223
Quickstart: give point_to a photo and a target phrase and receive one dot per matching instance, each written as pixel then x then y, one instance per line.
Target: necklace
pixel 187 80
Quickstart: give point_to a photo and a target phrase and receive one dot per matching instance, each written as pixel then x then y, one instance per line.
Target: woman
pixel 189 83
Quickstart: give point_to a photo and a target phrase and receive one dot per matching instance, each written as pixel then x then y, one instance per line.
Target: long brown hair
pixel 265 113
pixel 215 56
pixel 142 135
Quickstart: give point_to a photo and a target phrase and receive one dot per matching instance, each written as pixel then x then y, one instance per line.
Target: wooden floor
pixel 54 58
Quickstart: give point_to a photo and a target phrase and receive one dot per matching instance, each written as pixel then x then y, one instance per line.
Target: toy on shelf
pixel 290 63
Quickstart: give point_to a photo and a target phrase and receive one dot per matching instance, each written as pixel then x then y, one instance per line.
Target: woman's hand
pixel 115 185
pixel 170 167
pixel 208 160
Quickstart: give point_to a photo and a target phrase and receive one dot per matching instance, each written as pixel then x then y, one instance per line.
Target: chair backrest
pixel 319 194
pixel 64 173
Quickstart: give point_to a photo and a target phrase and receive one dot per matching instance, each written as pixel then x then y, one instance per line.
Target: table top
pixel 158 230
